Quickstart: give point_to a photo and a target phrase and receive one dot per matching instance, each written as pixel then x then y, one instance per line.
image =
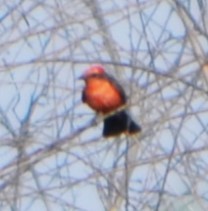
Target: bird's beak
pixel 81 77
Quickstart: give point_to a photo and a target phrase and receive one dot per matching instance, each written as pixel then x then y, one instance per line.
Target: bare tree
pixel 53 156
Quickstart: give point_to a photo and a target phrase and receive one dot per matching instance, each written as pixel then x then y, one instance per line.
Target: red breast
pixel 102 96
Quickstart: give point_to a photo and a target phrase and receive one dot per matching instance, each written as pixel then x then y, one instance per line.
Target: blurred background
pixel 53 155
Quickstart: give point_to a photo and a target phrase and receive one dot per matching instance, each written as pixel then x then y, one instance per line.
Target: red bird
pixel 105 95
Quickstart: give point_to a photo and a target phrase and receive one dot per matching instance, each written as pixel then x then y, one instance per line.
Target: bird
pixel 103 93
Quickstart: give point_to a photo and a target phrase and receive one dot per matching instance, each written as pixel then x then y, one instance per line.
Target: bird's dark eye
pixel 95 75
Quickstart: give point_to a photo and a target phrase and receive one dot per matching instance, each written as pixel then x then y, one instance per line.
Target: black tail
pixel 119 123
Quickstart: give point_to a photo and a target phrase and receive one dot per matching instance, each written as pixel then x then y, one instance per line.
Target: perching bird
pixel 105 95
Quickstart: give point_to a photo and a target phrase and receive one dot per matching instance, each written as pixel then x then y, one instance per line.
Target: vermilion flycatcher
pixel 105 95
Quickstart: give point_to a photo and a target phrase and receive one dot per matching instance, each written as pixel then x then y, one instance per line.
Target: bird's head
pixel 95 70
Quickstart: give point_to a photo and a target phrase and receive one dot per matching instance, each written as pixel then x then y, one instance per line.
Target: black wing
pixel 120 89
pixel 83 97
